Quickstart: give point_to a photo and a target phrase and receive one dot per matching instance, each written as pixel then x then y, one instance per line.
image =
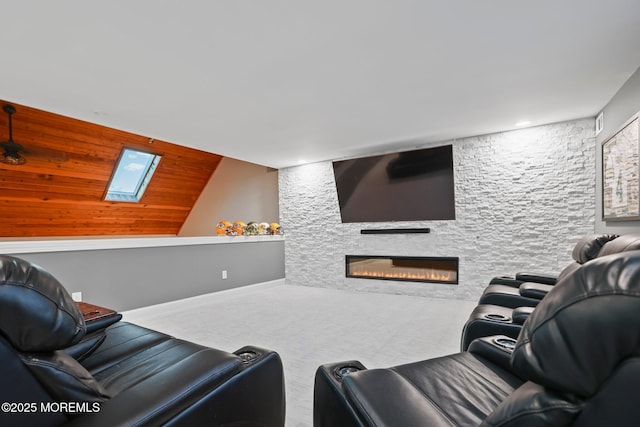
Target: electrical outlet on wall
pixel 76 296
pixel 224 274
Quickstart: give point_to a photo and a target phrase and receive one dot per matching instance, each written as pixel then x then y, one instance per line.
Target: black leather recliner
pixel 491 319
pixel 585 250
pixel 529 293
pixel 54 374
pixel 575 363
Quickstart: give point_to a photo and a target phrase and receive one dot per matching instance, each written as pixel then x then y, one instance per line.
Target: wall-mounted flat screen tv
pixel 407 186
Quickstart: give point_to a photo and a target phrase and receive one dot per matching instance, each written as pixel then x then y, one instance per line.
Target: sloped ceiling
pixel 59 191
pixel 274 82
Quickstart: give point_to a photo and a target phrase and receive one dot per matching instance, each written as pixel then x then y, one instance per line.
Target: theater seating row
pixel 54 373
pixel 573 360
pixel 504 307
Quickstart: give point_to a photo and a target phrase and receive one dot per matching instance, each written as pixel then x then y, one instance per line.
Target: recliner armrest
pixel 163 396
pixel 506 281
pixel 491 349
pixel 209 387
pixel 103 323
pixel 544 278
pixel 534 290
pixel 330 404
pixel 86 346
pixel 521 314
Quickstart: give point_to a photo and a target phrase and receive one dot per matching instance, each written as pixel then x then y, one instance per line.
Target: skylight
pixel 132 175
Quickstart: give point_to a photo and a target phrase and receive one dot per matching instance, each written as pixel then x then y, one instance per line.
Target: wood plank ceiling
pixel 60 189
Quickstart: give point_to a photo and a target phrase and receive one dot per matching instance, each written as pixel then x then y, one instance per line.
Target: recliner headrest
pixel 589 247
pixel 36 312
pixel 626 242
pixel 584 327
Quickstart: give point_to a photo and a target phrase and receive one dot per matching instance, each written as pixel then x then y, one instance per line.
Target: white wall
pixel 622 106
pixel 237 191
pixel 128 278
pixel 523 198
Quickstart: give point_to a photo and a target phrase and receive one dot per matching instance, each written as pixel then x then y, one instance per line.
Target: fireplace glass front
pixel 403 268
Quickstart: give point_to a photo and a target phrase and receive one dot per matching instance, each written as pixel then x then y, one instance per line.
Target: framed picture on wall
pixel 620 173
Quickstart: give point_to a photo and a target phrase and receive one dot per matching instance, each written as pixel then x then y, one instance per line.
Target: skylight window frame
pixel 112 195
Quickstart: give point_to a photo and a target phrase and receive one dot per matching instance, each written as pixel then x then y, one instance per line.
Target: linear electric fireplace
pixel 403 268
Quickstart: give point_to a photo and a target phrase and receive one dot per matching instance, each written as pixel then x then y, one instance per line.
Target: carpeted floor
pixel 312 326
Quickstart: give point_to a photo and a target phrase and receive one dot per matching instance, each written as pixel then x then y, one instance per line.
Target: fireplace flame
pixel 432 275
pixel 415 269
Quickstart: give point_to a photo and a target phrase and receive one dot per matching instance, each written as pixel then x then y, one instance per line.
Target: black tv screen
pixel 408 186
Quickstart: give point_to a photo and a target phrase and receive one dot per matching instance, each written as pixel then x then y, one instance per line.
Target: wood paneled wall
pixel 60 190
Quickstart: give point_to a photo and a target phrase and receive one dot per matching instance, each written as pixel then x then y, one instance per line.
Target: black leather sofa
pixel 55 374
pixel 575 363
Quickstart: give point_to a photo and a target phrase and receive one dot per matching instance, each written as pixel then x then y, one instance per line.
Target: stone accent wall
pixel 523 198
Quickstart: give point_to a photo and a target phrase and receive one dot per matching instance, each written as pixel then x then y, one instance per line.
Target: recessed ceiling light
pixel 523 123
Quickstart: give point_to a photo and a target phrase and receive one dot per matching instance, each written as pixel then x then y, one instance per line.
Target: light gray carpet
pixel 312 326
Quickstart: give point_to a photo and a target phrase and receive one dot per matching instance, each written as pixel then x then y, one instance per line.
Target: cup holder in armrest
pixel 248 354
pixel 505 342
pixel 343 370
pixel 497 317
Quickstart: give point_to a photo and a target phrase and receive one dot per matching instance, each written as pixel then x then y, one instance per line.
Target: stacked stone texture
pixel 523 198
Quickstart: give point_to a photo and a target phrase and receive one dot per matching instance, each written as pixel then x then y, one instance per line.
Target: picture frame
pixel 621 173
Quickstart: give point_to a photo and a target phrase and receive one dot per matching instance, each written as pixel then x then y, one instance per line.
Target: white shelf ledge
pixel 38 246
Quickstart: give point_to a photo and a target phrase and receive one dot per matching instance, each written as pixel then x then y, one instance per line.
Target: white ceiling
pixel 278 81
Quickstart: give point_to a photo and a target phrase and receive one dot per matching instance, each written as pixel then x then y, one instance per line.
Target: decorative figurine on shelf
pixel 224 228
pixel 274 229
pixel 252 229
pixel 238 228
pixel 263 227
